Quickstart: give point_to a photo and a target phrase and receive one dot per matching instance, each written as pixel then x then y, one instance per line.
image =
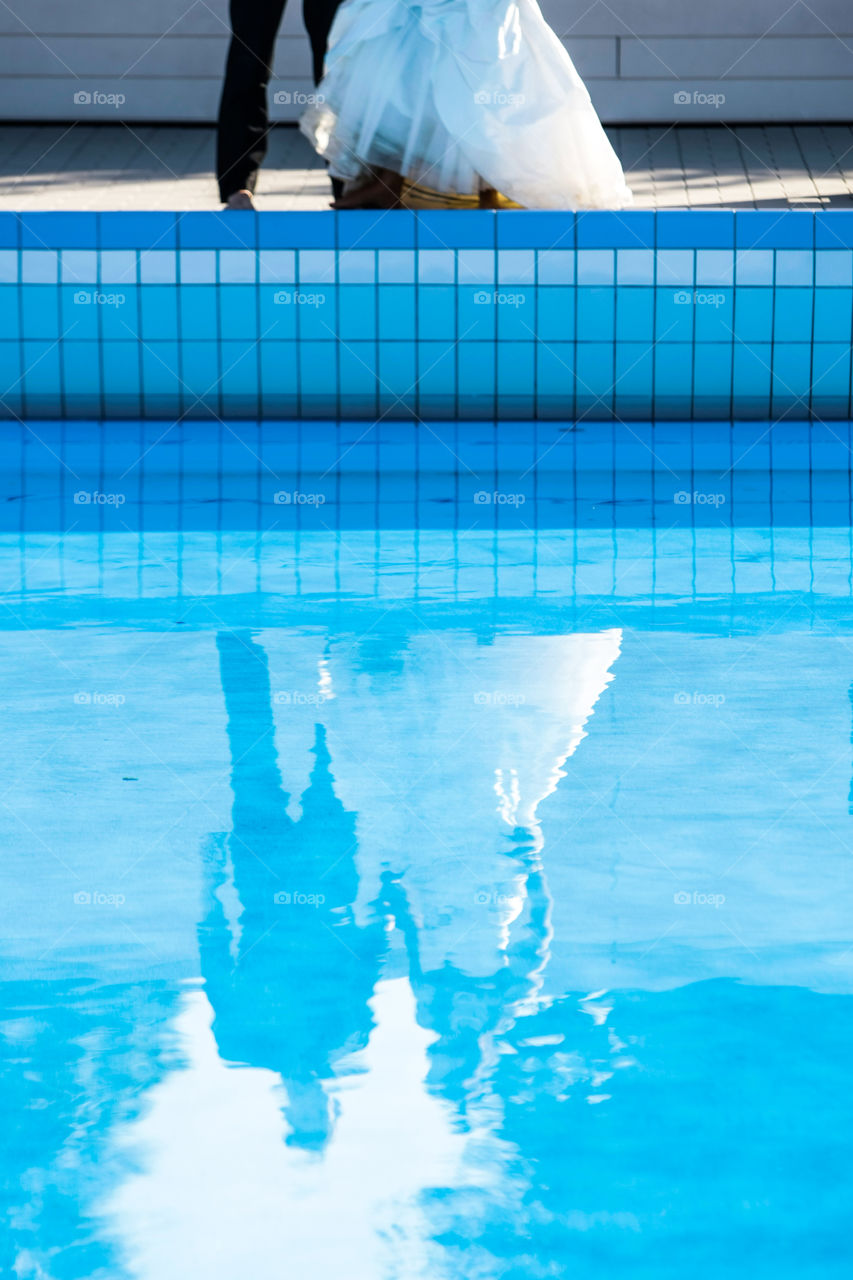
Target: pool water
pixel 419 885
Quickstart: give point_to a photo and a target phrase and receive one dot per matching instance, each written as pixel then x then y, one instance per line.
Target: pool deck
pixel 133 166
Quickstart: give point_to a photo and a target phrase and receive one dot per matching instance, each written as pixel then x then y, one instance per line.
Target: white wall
pixel 770 59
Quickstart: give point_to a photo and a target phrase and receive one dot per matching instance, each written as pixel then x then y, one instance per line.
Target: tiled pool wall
pixel 635 316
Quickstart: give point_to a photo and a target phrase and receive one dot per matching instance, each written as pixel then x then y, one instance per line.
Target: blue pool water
pixel 427 851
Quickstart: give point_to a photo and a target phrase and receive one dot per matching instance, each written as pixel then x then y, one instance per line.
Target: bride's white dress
pixel 459 95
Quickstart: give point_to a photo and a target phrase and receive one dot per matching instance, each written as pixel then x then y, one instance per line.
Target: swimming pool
pixel 426 850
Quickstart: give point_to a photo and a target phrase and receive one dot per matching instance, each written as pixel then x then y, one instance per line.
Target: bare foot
pixel 240 200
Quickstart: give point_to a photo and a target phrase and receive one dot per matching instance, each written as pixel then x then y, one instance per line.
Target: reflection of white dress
pixel 460 95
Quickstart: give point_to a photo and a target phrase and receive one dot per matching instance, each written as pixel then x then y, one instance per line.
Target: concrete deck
pixel 123 166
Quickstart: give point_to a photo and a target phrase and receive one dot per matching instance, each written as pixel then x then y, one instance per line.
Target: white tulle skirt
pixel 459 95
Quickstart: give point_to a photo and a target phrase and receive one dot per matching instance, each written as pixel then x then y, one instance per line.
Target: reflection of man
pixel 243 111
pixel 289 975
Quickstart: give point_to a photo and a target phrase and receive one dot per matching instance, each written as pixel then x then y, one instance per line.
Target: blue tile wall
pixel 439 315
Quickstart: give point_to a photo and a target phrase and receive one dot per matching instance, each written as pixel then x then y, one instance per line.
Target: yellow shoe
pixel 415 195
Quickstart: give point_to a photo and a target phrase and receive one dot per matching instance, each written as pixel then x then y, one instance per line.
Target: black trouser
pixel 243 117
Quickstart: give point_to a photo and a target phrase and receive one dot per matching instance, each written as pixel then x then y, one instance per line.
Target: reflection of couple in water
pixel 295 991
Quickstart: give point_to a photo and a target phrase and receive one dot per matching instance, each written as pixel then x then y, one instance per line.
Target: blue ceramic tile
pixel 316 313
pixel 357 266
pixel 754 266
pixel 379 229
pixel 119 319
pixel 834 268
pixel 753 315
pixel 596 314
pixel 122 379
pixel 279 376
pixel 277 313
pixel 714 315
pixel 118 266
pixel 635 267
pixel 594 372
pixel 396 266
pixel 78 314
pixel 714 267
pixel 635 314
pixel 158 266
pixel 634 377
pixel 674 373
pixel 792 382
pixel 159 312
pixel 794 267
pixel 792 318
pixel 774 229
pixel 712 378
pixel 238 266
pixel 516 314
pixel 318 376
pixel 40 311
pixel 516 371
pixel 834 229
pixel 528 229
pixel 436 312
pixel 199 312
pixel 234 229
pixel 751 374
pixel 397 310
pixel 610 229
pixel 239 376
pixel 517 267
pixel 397 374
pixel 833 311
pixel 476 373
pixel 556 314
pixel 694 229
pixel 356 312
pixel 59 230
pixel 436 378
pixel 197 266
pixel 674 314
pixel 475 266
pixel 455 229
pixel 137 231
pixel 830 378
pixel 9 312
pixel 296 230
pixel 9 231
pixel 676 267
pixel 595 266
pixel 477 310
pixel 555 266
